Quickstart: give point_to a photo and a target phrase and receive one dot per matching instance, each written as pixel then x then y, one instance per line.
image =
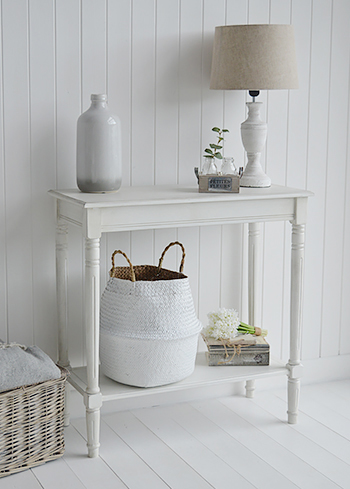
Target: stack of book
pixel 242 350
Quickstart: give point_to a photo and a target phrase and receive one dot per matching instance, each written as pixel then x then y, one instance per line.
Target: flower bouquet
pixel 232 342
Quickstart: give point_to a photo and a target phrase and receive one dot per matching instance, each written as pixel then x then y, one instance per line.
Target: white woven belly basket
pixel 149 328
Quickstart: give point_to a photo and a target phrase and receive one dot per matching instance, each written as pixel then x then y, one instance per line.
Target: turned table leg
pixel 294 365
pixel 92 397
pixel 62 314
pixel 254 288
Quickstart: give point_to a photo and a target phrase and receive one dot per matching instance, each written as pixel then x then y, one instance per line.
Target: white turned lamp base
pixel 254 132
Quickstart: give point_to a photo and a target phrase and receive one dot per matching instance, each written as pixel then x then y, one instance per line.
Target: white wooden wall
pixel 153 59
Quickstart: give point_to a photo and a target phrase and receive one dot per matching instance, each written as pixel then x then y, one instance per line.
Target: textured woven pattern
pixel 147 363
pixel 148 272
pixel 148 328
pixel 31 425
pixel 145 272
pixel 149 310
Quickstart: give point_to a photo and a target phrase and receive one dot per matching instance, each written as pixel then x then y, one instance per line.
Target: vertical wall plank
pixel 142 247
pixel 232 254
pixel 275 287
pixel 277 113
pixel 189 131
pixel 68 109
pixel 298 115
pixel 212 100
pixel 231 267
pixel 172 259
pixel 143 92
pixel 277 235
pixel 209 270
pixel 166 113
pixel 94 70
pixel 344 338
pixel 212 115
pixel 190 239
pixel 93 49
pixel 299 99
pixel 167 92
pixel 234 100
pixel 235 113
pixel 190 77
pixel 277 159
pixel 336 177
pixel 68 84
pixel 119 96
pixel 317 174
pixel 43 169
pixel 143 114
pixel 17 171
pixel 3 255
pixel 119 73
pixel 258 13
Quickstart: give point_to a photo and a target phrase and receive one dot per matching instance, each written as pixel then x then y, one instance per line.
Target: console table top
pixel 167 194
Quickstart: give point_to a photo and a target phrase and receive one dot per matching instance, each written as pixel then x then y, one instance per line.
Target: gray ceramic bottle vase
pixel 99 158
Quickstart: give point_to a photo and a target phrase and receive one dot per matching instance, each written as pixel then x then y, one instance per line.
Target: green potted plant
pixel 213 152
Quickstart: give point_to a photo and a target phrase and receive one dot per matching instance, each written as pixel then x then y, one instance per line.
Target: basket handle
pixel 160 264
pixel 133 278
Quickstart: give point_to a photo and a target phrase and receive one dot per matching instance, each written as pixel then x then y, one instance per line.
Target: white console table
pixel 154 207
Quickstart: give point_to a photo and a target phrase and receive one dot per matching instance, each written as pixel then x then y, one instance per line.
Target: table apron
pixel 194 214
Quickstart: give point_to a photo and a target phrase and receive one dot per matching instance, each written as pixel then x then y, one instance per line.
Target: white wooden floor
pixel 226 443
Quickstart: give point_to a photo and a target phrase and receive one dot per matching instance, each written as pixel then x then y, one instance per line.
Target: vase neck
pixel 99 100
pixel 98 103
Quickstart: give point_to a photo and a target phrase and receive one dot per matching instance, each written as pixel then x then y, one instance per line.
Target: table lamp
pixel 254 58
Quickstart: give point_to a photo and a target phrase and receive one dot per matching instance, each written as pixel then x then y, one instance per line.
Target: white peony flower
pixel 223 324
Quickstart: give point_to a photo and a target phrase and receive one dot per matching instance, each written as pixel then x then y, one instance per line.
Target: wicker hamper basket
pixel 31 425
pixel 149 328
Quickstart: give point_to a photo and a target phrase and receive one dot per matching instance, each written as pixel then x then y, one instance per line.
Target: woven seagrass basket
pixel 31 425
pixel 149 328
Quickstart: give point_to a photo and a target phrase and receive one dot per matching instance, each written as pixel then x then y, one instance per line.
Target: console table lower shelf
pixel 203 375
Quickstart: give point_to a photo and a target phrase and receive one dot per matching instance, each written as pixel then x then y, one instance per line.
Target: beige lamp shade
pixel 254 57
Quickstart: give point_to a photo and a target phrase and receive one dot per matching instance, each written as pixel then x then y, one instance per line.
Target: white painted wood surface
pixel 157 208
pixel 207 443
pixel 153 59
pixel 202 377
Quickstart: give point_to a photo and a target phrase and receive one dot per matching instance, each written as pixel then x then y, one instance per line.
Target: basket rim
pixel 26 388
pixel 177 275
